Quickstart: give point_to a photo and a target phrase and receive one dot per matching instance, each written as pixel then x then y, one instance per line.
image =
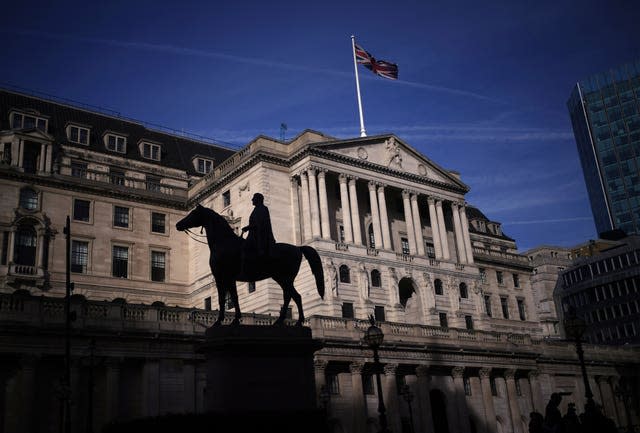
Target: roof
pixel 177 151
pixel 473 213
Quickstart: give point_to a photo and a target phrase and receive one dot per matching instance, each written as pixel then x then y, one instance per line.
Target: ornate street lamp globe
pixel 373 336
pixel 574 326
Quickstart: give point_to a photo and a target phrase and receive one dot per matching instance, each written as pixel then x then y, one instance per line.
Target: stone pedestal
pixel 259 369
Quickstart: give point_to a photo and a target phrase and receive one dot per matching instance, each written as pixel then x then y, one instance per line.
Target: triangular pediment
pixel 34 134
pixel 394 154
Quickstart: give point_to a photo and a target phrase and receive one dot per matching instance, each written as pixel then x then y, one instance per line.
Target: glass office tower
pixel 605 114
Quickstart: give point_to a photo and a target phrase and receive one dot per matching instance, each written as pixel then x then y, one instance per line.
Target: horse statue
pixel 225 248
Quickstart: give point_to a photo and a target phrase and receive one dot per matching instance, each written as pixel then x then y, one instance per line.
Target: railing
pixel 435 263
pixel 459 266
pixel 341 246
pixel 488 253
pixel 404 257
pixel 372 252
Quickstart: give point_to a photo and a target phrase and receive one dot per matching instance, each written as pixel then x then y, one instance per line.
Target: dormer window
pixel 203 165
pixel 150 151
pixel 27 121
pixel 78 134
pixel 115 143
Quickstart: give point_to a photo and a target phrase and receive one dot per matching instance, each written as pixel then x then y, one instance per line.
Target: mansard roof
pixel 473 213
pixel 177 151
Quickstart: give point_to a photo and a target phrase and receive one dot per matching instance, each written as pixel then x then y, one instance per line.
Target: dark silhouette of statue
pixel 536 422
pixel 552 415
pixel 260 243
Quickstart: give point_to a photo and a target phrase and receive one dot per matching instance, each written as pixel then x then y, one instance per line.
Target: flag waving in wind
pixel 379 67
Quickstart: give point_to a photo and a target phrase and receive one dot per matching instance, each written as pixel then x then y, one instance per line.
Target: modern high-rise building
pixel 605 114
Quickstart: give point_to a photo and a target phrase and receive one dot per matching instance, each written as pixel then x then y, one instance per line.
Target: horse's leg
pixel 298 300
pixel 221 304
pixel 233 291
pixel 286 295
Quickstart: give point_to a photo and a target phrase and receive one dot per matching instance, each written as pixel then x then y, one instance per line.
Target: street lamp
pixel 373 336
pixel 574 327
pixel 408 397
pixel 623 392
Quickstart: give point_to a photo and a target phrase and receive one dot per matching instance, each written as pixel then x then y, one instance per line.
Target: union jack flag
pixel 379 67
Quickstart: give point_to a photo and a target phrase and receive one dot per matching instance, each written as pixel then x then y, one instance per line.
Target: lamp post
pixel 373 336
pixel 408 397
pixel 575 327
pixel 623 392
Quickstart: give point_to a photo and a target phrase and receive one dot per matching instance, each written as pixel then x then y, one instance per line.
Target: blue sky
pixel 483 85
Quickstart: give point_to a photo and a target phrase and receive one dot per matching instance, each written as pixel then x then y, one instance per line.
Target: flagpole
pixel 363 132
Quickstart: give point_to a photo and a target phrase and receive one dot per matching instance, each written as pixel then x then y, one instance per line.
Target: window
pixel 521 309
pixel 120 262
pixel 153 184
pixel 437 284
pixel 443 320
pixel 31 157
pixel 203 166
pixel 464 292
pixel 158 265
pixel 378 313
pixel 500 277
pixel 81 209
pixel 405 245
pixel 345 276
pixel 151 151
pixel 24 252
pixel 341 233
pixel 116 176
pixel 78 134
pixel 26 121
pixel 376 280
pixel 347 310
pixel 468 321
pixel 28 199
pixel 158 222
pixel 505 307
pixel 483 275
pixel 494 388
pixel 518 388
pixel 467 385
pixel 333 385
pixel 121 216
pixel 116 143
pixel 251 286
pixel 79 169
pixel 430 250
pixel 372 237
pixel 226 198
pixel 79 256
pixel 207 303
pixel 5 248
pixel 516 280
pixel 487 304
pixel 367 384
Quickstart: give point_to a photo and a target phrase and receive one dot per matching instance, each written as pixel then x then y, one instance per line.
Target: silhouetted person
pixel 571 422
pixel 536 422
pixel 552 415
pixel 260 241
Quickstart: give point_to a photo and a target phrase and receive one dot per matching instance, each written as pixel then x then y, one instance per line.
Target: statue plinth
pixel 259 369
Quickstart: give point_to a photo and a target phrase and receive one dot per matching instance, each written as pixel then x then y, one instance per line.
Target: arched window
pixel 464 292
pixel 24 252
pixel 345 276
pixel 28 199
pixel 372 238
pixel 376 280
pixel 437 285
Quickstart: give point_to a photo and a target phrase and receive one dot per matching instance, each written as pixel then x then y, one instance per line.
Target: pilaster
pixel 408 217
pixel 512 396
pixel 487 400
pixel 346 212
pixel 359 407
pixel 384 219
pixel 435 232
pixel 417 225
pixel 324 207
pixel 355 211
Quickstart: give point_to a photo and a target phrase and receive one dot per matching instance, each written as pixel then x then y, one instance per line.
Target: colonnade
pixel 316 224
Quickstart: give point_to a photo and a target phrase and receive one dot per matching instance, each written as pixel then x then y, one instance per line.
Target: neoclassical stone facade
pixel 397 238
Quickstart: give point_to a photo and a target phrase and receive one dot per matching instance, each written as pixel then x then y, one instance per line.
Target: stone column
pixel 189 378
pixel 112 389
pixel 21 153
pixel 384 219
pixel 47 164
pixel 435 233
pixel 607 397
pixel 375 215
pixel 324 207
pixel 320 368
pixel 390 393
pixel 487 400
pixel 417 225
pixel 346 212
pixel 536 392
pixel 408 217
pixel 151 388
pixel 457 373
pixel 295 211
pixel 512 396
pixel 359 407
pixel 11 246
pixel 306 209
pixel 465 233
pixel 425 420
pixel 355 212
pixel 42 158
pixel 462 254
pixel 614 382
pixel 313 201
pixel 442 229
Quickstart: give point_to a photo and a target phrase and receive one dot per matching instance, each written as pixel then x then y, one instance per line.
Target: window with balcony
pixel 81 210
pixel 79 256
pixel 341 233
pixel 347 310
pixel 28 199
pixel 116 176
pixel 443 320
pixel 6 153
pixel 78 134
pixel 437 285
pixel 31 157
pixel 153 184
pixel 116 143
pixel 345 275
pixel 120 262
pixel 521 309
pixel 404 242
pixel 464 291
pixel 151 151
pixel 158 265
pixel 505 307
pixel 376 279
pixel 487 305
pixel 24 252
pixel 121 216
pixel 158 224
pixel 203 165
pixel 28 121
pixel 79 169
pixel 430 250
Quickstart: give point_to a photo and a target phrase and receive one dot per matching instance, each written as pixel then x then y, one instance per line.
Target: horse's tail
pixel 316 267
